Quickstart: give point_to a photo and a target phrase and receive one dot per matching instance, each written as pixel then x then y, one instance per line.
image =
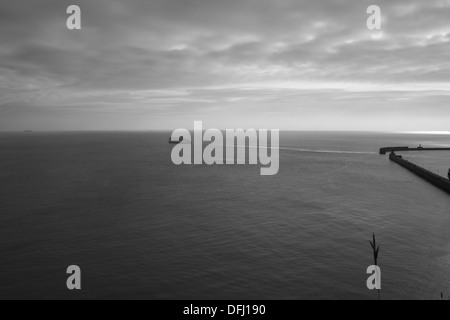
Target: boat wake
pixel 294 149
pixel 325 151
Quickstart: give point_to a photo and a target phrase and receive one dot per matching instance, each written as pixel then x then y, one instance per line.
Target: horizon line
pixel 425 132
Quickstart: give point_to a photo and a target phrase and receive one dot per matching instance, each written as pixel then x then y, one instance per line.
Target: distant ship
pixel 28 131
pixel 175 141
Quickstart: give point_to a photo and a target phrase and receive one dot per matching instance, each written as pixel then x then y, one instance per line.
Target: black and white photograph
pixel 226 155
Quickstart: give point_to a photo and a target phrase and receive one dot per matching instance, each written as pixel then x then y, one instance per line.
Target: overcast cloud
pixel 287 64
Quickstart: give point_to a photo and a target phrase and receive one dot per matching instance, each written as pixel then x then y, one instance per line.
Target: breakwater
pixel 436 180
pixel 394 149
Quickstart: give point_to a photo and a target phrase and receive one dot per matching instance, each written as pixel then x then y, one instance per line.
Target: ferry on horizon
pixel 175 141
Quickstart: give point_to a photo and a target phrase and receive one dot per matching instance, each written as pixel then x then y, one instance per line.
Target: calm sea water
pixel 141 227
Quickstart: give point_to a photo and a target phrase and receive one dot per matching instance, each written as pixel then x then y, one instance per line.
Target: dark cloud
pixel 286 63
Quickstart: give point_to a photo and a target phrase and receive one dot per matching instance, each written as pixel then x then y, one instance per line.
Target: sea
pixel 140 227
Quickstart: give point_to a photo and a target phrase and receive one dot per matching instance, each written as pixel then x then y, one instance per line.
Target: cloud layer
pixel 288 64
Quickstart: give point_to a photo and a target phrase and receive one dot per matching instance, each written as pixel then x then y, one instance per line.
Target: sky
pixel 272 64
